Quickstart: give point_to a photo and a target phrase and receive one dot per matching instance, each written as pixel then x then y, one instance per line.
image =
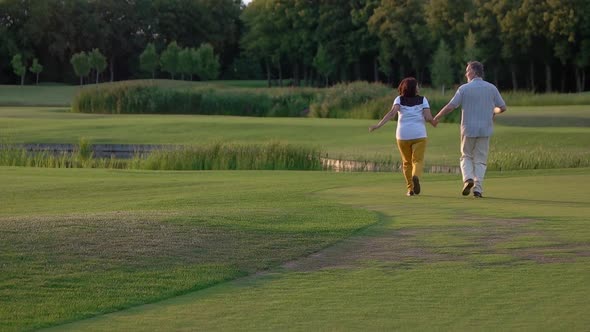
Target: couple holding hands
pixel 480 102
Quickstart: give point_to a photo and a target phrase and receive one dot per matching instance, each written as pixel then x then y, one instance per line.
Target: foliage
pixel 147 98
pixel 36 68
pixel 148 60
pixel 471 52
pixel 442 72
pixel 521 46
pixel 185 66
pixel 207 63
pixel 324 63
pixel 19 68
pixel 97 62
pixel 169 59
pixel 81 64
pixel 341 99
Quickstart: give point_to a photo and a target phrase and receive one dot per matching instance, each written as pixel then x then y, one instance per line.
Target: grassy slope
pixel 517 260
pixel 62 95
pixel 76 243
pixel 338 137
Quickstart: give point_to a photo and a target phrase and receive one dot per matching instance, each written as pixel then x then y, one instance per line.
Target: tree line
pixel 537 45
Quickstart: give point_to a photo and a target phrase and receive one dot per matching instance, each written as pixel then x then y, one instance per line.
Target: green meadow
pixel 564 138
pixel 98 249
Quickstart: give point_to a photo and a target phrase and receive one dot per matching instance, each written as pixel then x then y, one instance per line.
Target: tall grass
pixel 521 98
pixel 341 100
pixel 218 156
pixel 143 97
pixel 536 158
pixel 228 156
pixel 358 100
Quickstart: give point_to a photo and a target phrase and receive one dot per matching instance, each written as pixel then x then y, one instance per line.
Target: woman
pixel 413 111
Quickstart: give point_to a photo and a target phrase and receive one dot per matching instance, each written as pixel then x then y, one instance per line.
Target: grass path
pixel 519 259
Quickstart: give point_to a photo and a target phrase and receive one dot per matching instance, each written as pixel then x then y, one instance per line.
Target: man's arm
pixel 444 111
pixel 501 109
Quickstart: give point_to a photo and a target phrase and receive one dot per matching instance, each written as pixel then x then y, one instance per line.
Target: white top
pixel 478 99
pixel 411 124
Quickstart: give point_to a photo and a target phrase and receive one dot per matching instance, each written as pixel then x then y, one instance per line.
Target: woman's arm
pixel 390 115
pixel 428 116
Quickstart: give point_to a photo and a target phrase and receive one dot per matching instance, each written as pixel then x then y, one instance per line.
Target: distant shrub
pixel 341 100
pixel 148 98
pixel 358 100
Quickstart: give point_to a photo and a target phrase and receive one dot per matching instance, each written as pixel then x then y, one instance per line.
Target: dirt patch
pixel 134 239
pixel 484 237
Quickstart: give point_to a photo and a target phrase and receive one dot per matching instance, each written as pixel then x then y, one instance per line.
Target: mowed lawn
pixel 76 243
pixel 517 260
pixel 554 136
pixel 278 250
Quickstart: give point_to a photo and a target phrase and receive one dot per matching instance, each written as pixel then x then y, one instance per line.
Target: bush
pixel 342 100
pixel 148 98
pixel 358 100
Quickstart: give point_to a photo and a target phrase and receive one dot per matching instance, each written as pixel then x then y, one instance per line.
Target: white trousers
pixel 474 157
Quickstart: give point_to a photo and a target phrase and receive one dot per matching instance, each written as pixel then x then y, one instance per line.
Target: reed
pixel 229 156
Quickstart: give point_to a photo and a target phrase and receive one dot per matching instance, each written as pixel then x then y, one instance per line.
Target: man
pixel 480 101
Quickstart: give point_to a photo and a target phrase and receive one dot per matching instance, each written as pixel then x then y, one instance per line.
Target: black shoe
pixel 477 194
pixel 416 184
pixel 410 193
pixel 467 187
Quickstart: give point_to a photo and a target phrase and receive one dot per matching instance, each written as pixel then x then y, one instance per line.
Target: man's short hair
pixel 476 67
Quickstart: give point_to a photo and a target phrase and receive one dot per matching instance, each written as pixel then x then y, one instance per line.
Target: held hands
pixel 372 128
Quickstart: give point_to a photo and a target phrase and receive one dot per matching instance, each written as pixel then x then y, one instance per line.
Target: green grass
pixel 77 243
pixel 514 260
pixel 512 146
pixel 214 156
pixel 62 95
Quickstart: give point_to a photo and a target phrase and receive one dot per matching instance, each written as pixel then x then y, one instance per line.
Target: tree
pixel 19 68
pixel 486 29
pixel 367 42
pixel 333 34
pixel 208 63
pixel 582 38
pixel 448 20
pixel 81 65
pixel 324 64
pixel 401 27
pixel 185 63
pixel 169 59
pixel 148 60
pixel 442 70
pixel 97 61
pixel 36 68
pixel 471 52
pixel 260 41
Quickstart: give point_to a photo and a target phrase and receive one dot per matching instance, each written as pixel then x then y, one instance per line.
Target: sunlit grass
pixel 337 138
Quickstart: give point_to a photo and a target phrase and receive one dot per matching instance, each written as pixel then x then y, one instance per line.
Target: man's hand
pixel 372 128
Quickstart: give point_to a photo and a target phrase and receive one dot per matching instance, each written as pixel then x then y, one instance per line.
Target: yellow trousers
pixel 412 152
